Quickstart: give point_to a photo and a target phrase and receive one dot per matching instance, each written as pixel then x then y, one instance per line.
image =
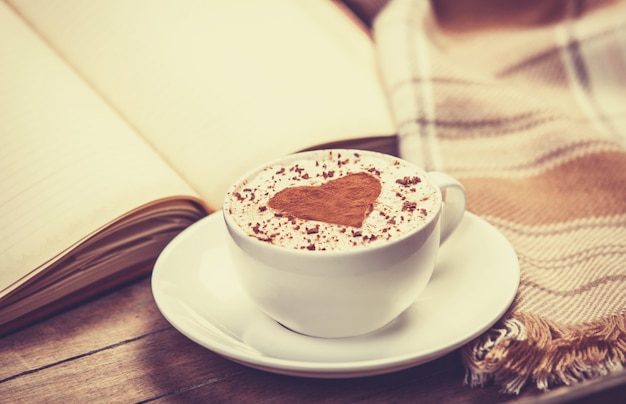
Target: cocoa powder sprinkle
pixel 344 201
pixel 407 181
pixel 409 206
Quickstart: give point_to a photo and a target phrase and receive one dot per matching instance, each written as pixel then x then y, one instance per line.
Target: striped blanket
pixel 525 103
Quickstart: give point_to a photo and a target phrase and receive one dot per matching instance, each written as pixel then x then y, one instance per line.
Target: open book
pixel 123 122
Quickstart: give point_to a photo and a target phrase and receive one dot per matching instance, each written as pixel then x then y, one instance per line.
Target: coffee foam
pixel 406 201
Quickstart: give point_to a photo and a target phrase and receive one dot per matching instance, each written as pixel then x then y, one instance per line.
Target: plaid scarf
pixel 525 103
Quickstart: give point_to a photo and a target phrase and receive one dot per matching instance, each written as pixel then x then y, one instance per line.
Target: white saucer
pixel 475 281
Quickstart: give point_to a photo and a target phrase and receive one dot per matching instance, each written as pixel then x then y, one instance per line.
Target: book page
pixel 69 164
pixel 219 87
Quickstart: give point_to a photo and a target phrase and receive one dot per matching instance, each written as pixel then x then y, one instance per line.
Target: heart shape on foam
pixel 344 201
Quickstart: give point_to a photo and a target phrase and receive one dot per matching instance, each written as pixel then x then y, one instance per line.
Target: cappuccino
pixel 333 200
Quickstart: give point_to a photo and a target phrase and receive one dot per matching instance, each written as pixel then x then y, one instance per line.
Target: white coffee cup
pixel 350 292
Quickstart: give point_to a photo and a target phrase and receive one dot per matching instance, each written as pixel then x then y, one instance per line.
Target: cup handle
pixel 454 202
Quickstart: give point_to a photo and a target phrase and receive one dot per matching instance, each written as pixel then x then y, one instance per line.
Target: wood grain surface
pixel 118 348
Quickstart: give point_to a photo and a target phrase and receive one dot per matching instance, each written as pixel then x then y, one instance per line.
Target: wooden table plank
pixel 123 315
pixel 131 371
pixel 118 348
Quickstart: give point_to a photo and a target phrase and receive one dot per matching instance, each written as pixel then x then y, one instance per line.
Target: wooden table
pixel 118 348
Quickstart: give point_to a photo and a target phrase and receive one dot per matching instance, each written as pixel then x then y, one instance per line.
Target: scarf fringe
pixel 526 348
